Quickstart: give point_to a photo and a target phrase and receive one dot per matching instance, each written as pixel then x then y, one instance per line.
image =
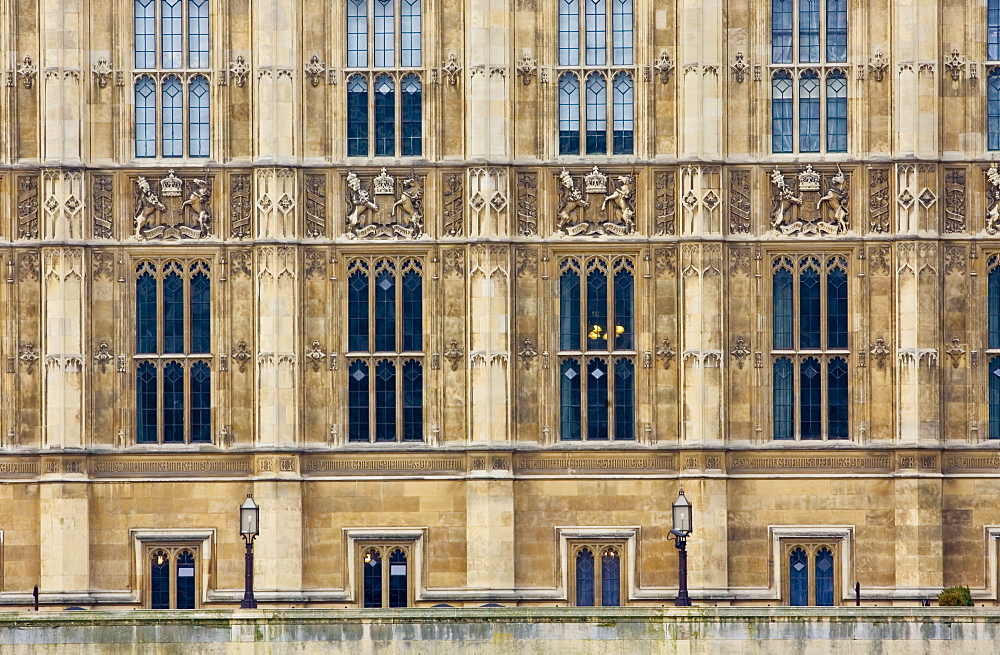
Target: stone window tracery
pixel 384 81
pixel 172 577
pixel 385 575
pixel 597 574
pixel 811 573
pixel 171 84
pixel 599 33
pixel 810 347
pixel 173 390
pixel 385 350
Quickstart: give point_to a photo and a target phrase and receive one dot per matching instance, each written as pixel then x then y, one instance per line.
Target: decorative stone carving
pixel 666 205
pixel 666 353
pixel 454 262
pixel 878 260
pixel 315 70
pixel 526 67
pixel 791 214
pixel 739 68
pixel 526 352
pixel 102 200
pixel 740 351
pixel 451 69
pixel 240 262
pixel 28 355
pixel 878 200
pixel 26 71
pixel 955 65
pixel 315 206
pixel 102 72
pixel 190 219
pixel 880 351
pixel 239 205
pixel 241 355
pixel 739 263
pixel 993 198
pixel 878 65
pixel 739 201
pixel 315 355
pixel 665 261
pixel 663 66
pixel 453 205
pixel 574 217
pixel 453 354
pixel 27 207
pixel 527 208
pixel 28 267
pixel 402 218
pixel 276 193
pixel 104 265
pixel 315 263
pixel 104 356
pixel 955 351
pixel 526 262
pixel 954 259
pixel 239 70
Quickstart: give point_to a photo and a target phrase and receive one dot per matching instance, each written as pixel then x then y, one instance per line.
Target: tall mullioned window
pixel 810 347
pixel 173 353
pixel 993 346
pixel 993 75
pixel 597 349
pixel 172 95
pixel 808 76
pixel 385 350
pixel 384 87
pixel 596 77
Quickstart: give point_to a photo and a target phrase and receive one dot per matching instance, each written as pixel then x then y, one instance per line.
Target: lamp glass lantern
pixel 682 516
pixel 249 518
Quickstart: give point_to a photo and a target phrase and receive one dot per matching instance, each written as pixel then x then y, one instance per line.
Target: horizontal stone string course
pixel 172 466
pixel 779 463
pixel 341 465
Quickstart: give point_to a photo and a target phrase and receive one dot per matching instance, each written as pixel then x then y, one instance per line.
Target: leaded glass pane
pixel 198 33
pixel 621 27
pixel 994 397
pixel 809 119
pixel 624 311
pixel 173 117
pixel 585 578
pixel 413 311
pixel 811 393
pixel 145 33
pixel 610 579
pixel 385 312
pixel 201 308
pixel 836 113
pixel 569 32
pixel 173 403
pixel 993 110
pixel 357 117
pixel 385 400
pixel 145 118
pixel 201 403
pixel 781 32
pixel 783 309
pixel 808 31
pixel 357 312
pixel 836 31
pixel 597 115
pixel 993 30
pixel 624 400
pixel 385 34
pixel 824 577
pixel 397 578
pixel 173 314
pixel 372 579
pixel 781 113
pixel 597 310
pixel 783 388
pixel 145 315
pixel 385 116
pixel 597 399
pixel 624 116
pixel 185 580
pixel 994 306
pixel 198 117
pixel 798 578
pixel 159 581
pixel 597 37
pixel 569 115
pixel 357 402
pixel 410 32
pixel 413 401
pixel 837 405
pixel 570 412
pixel 836 309
pixel 410 111
pixel 569 311
pixel 809 309
pixel 145 403
pixel 357 33
pixel 172 24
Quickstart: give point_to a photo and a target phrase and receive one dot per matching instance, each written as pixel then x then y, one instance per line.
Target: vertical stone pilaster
pixel 63 537
pixel 489 343
pixel 63 347
pixel 275 74
pixel 61 77
pixel 919 546
pixel 278 549
pixel 489 539
pixel 488 76
pixel 700 69
pixel 277 333
pixel 702 356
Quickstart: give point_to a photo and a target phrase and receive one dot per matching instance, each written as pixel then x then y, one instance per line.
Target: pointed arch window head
pixel 385 575
pixel 811 573
pixel 809 114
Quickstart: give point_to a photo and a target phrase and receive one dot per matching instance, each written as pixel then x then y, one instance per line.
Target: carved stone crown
pixel 596 182
pixel 171 186
pixel 809 179
pixel 384 184
pixel 993 175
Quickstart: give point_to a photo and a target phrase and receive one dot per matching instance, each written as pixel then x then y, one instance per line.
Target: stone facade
pixel 491 500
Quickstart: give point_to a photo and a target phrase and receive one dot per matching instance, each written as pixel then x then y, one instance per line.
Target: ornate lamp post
pixel 680 532
pixel 249 528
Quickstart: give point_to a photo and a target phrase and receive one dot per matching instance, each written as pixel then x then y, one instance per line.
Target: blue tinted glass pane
pixel 145 403
pixel 172 25
pixel 385 117
pixel 357 312
pixel 597 399
pixel 798 578
pixel 173 314
pixel 385 34
pixel 145 34
pixel 783 309
pixel 809 309
pixel 808 31
pixel 781 31
pixel 397 575
pixel 836 309
pixel 201 319
pixel 173 118
pixel 409 32
pixel 385 312
pixel 836 113
pixel 357 33
pixel 994 306
pixel 585 578
pixel 145 314
pixel 836 31
pixel 621 27
pixel 811 387
pixel 624 310
pixel 198 33
pixel 569 115
pixel 992 30
pixel 385 401
pixel 185 580
pixel 201 403
pixel 781 114
pixel 610 579
pixel 198 117
pixel 357 400
pixel 624 400
pixel 824 578
pixel 837 409
pixel 173 403
pixel 570 412
pixel 413 401
pixel 597 310
pixel 569 32
pixel 159 584
pixel 145 118
pixel 569 311
pixel 357 117
pixel 597 114
pixel 373 578
pixel 410 111
pixel 624 115
pixel 597 35
pixel 784 404
pixel 993 111
pixel 994 398
pixel 809 120
pixel 413 311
